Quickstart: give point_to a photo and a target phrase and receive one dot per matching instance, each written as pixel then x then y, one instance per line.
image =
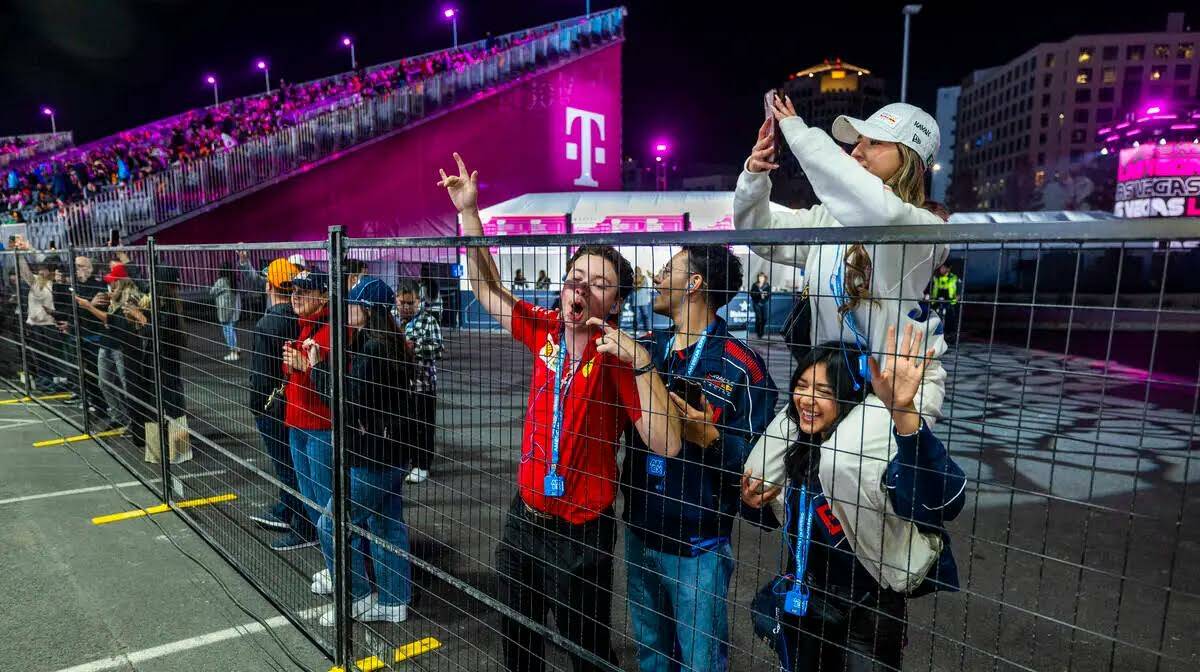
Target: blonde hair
pixel 125 293
pixel 908 183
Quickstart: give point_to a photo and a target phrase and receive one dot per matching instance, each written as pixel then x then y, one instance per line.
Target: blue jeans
pixel 228 328
pixel 312 455
pixel 677 607
pixel 375 505
pixel 288 508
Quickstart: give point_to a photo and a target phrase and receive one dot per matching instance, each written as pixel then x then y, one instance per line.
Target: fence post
pixel 21 326
pixel 340 492
pixel 164 433
pixel 80 362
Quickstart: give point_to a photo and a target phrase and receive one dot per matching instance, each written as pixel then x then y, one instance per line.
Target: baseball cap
pixel 901 123
pixel 298 259
pixel 118 272
pixel 280 273
pixel 311 280
pixel 369 291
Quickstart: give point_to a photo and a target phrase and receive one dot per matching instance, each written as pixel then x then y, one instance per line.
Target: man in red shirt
pixel 588 385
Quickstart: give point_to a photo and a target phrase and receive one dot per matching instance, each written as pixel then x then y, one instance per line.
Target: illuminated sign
pixel 1156 180
pixel 631 224
pixel 587 120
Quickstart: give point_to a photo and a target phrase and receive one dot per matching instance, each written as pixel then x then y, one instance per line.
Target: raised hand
pixel 896 382
pixel 783 108
pixel 762 158
pixel 463 188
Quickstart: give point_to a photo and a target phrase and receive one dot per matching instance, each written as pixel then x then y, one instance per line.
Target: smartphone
pixel 114 237
pixel 690 391
pixel 769 108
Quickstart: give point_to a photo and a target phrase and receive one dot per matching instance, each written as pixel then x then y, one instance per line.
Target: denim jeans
pixel 289 509
pixel 312 455
pixel 377 506
pixel 110 367
pixel 677 607
pixel 228 328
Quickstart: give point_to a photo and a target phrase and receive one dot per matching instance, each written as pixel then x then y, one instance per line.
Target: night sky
pixel 695 76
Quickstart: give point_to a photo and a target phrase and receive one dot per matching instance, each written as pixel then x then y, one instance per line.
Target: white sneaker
pixel 397 613
pixel 357 609
pixel 417 475
pixel 232 356
pixel 322 583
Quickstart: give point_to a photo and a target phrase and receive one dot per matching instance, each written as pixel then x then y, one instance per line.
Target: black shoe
pixel 291 541
pixel 269 520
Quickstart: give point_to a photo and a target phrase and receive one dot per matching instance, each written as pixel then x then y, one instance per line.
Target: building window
pixel 1082 115
pixel 1181 92
pixel 1085 54
pixel 1049 60
pixel 1109 53
pixel 1083 95
pixel 1185 50
pixel 1162 51
pixel 1045 120
pixel 1045 100
pixel 1133 73
pixel 1041 139
pixel 1078 135
pixel 1135 53
pixel 1083 76
pixel 1076 155
pixel 1157 72
pixel 1108 75
pixel 1106 94
pixel 1104 114
pixel 1183 71
pixel 1047 80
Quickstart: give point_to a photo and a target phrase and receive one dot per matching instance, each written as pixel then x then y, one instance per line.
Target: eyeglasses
pixel 600 286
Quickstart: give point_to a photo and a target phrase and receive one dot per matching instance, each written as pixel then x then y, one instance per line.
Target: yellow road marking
pixel 161 508
pixel 410 650
pixel 48 397
pixel 76 439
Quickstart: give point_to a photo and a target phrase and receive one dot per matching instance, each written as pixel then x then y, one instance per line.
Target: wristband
pixel 645 369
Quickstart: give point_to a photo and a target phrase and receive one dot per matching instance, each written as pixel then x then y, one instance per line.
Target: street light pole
pixel 216 98
pixel 909 11
pixel 262 65
pixel 50 113
pixel 347 42
pixel 452 14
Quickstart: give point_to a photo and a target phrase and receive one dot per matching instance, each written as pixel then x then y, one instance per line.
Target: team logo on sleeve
pixel 549 354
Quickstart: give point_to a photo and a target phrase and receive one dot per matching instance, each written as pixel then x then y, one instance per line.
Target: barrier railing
pixel 1056 471
pixel 137 207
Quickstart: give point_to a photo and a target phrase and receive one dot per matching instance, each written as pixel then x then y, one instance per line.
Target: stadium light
pixel 347 42
pixel 212 81
pixel 262 65
pixel 452 14
pixel 49 112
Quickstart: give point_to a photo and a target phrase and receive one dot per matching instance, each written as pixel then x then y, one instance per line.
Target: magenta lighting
pixel 212 81
pixel 449 13
pixel 452 14
pixel 660 147
pixel 46 110
pixel 262 65
pixel 347 42
pixel 1154 109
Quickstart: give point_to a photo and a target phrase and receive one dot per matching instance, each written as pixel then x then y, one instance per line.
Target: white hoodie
pixel 856 456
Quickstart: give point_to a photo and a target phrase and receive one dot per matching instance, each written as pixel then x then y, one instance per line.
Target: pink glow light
pixel 47 111
pixel 1153 109
pixel 449 13
pixel 262 65
pixel 1183 127
pixel 345 41
pixel 211 80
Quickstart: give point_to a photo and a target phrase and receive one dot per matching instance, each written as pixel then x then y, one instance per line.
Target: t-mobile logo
pixel 590 154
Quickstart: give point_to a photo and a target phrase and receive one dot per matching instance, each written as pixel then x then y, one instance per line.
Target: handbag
pixel 179 441
pixel 797 328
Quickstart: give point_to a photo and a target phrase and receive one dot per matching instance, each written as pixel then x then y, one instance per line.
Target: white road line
pixel 135 657
pixel 99 488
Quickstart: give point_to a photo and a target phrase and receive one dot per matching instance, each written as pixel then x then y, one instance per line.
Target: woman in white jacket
pixel 857 291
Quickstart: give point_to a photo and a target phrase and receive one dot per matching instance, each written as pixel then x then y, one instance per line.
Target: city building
pixel 820 94
pixel 1036 118
pixel 943 162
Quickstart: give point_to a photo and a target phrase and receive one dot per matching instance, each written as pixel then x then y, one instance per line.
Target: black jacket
pixel 277 326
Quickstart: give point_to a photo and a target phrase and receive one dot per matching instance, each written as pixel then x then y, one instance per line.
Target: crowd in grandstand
pixel 42 184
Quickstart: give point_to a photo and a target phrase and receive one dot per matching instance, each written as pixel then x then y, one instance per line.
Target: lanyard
pixel 556 424
pixel 837 289
pixel 803 532
pixel 694 360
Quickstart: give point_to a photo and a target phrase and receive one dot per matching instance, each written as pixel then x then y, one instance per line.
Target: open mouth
pixel 808 417
pixel 575 311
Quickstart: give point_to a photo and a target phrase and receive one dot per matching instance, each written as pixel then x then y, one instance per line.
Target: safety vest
pixel 947 283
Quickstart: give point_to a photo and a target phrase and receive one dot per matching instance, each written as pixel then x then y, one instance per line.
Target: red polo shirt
pixel 305 408
pixel 600 399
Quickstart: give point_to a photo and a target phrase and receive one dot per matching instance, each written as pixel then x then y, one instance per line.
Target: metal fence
pixel 135 208
pixel 1070 376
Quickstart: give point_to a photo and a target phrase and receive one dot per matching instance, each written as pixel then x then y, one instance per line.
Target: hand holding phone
pixel 769 108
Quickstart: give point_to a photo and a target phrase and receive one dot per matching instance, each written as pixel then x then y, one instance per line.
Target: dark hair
pixel 836 357
pixel 619 262
pixel 227 273
pixel 408 286
pixel 381 327
pixel 356 266
pixel 721 270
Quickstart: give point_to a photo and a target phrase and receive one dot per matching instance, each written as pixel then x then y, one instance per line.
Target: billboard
pixel 1159 180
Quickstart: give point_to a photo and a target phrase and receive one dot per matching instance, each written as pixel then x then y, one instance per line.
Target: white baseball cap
pixel 901 123
pixel 298 259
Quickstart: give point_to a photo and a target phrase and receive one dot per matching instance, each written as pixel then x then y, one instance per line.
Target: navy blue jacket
pixel 691 508
pixel 924 485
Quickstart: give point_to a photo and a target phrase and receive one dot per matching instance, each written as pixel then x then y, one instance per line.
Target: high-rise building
pixel 1036 117
pixel 820 94
pixel 943 162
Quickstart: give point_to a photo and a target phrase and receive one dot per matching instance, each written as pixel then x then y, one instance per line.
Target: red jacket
pixel 305 409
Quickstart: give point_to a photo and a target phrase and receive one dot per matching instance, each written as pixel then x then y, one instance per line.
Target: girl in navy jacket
pixel 827 612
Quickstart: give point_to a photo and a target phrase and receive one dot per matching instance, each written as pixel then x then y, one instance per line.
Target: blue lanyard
pixel 556 425
pixel 694 360
pixel 803 532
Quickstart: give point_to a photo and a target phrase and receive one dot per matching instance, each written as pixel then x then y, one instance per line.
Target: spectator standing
pixel 229 308
pixel 760 298
pixel 423 342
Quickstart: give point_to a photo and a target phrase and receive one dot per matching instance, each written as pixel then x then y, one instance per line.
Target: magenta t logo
pixel 586 121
